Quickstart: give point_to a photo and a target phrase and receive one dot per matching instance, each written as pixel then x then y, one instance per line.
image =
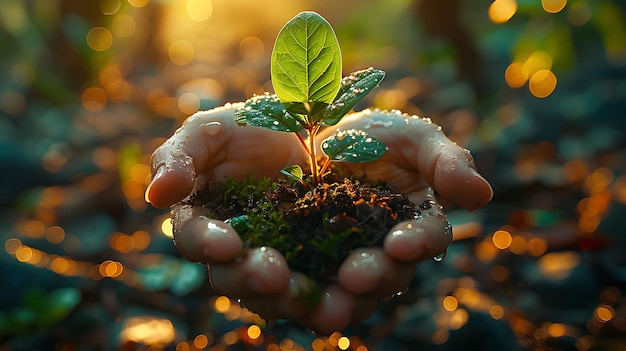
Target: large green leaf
pixel 353 146
pixel 306 64
pixel 353 89
pixel 267 112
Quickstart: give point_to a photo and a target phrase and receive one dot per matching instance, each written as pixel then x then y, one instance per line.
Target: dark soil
pixel 315 229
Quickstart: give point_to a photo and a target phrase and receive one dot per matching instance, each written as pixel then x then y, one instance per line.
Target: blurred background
pixel 535 88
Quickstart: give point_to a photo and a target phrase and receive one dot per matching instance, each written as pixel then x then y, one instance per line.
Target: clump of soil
pixel 315 229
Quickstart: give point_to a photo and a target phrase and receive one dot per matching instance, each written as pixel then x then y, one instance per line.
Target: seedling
pixel 311 94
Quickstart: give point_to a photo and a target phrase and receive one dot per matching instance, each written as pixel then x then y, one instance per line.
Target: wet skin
pixel 420 161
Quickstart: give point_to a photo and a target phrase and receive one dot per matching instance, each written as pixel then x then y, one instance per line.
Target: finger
pixel 204 240
pixel 296 302
pixel 427 236
pixel 398 281
pixel 193 148
pixel 363 270
pixel 372 271
pixel 262 270
pixel 333 313
pixel 448 168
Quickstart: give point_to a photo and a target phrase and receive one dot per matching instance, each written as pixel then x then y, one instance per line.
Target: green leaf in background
pixel 306 64
pixel 59 303
pixel 266 111
pixel 293 172
pixel 353 146
pixel 353 89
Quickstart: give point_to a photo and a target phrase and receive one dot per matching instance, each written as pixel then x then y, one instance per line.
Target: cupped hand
pixel 420 161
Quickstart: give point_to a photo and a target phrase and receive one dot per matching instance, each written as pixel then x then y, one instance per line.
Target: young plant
pixel 311 94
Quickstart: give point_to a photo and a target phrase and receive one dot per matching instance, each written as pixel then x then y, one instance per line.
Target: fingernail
pixel 158 174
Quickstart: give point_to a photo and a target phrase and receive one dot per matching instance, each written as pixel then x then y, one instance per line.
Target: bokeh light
pixel 167 227
pixel 251 49
pixel 516 74
pixel 123 25
pixel 604 313
pixel 502 239
pixel 500 11
pixel 94 99
pixel 148 330
pixel 139 3
pixel 181 52
pixel 99 38
pixel 109 7
pixel 199 10
pixel 553 6
pixel 542 83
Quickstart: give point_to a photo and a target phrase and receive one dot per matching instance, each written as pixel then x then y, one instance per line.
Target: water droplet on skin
pixel 440 257
pixel 400 293
pixel 212 128
pixel 448 230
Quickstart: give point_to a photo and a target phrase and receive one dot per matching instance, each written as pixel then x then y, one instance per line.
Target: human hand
pixel 420 161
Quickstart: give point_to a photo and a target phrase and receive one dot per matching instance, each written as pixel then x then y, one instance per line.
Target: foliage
pixel 310 94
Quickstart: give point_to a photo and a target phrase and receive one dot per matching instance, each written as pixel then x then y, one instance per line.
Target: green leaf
pixel 239 223
pixel 293 172
pixel 267 112
pixel 353 89
pixel 306 64
pixel 353 146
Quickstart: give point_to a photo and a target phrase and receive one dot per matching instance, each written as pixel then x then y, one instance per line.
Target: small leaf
pixel 353 146
pixel 293 172
pixel 266 111
pixel 306 64
pixel 353 89
pixel 239 223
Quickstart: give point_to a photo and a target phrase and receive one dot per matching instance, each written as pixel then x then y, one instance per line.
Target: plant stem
pixel 303 142
pixel 312 157
pixel 324 167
